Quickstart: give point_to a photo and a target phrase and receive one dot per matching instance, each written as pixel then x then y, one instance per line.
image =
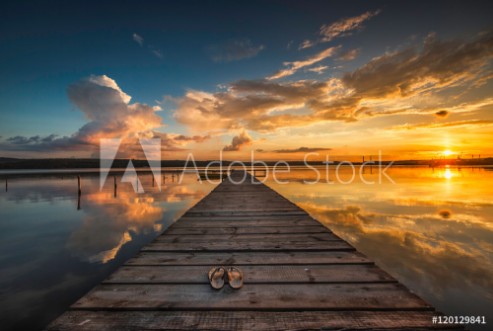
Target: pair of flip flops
pixel 218 276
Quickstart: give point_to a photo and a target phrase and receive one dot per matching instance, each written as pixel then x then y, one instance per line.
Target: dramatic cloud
pixel 238 142
pixel 302 150
pixel 110 115
pixel 386 85
pixel 233 50
pixel 109 110
pixel 293 67
pixel 263 105
pixel 138 39
pixel 437 64
pixel 341 28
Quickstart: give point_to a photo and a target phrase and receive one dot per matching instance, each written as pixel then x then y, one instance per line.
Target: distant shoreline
pixel 70 163
pixel 15 168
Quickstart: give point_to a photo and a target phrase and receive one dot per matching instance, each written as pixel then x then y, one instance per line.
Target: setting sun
pixel 447 152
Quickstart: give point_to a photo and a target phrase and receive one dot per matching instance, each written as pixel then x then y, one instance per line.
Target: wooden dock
pixel 298 275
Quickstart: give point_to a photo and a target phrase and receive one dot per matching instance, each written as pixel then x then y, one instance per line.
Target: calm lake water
pixel 432 230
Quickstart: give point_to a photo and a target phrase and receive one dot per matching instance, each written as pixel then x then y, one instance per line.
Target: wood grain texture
pixel 205 223
pixel 235 238
pixel 253 274
pixel 252 296
pixel 215 230
pixel 246 258
pixel 249 246
pixel 247 320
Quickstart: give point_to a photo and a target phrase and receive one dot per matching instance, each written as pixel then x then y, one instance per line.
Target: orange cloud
pixel 293 67
pixel 110 115
pixel 340 28
pixel 384 86
pixel 238 142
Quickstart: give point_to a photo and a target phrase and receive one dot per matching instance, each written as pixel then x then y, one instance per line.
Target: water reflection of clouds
pixel 444 254
pixel 437 241
pixel 110 223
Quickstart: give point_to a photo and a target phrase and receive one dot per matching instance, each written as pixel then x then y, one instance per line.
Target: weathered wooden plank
pixel 280 245
pixel 253 212
pixel 252 296
pixel 358 273
pixel 278 218
pixel 204 222
pixel 248 203
pixel 245 258
pixel 247 237
pixel 247 320
pixel 175 230
pixel 251 204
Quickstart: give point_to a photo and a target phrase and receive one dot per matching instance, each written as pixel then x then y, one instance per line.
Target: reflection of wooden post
pixel 6 185
pixel 152 180
pixel 79 191
pixel 114 186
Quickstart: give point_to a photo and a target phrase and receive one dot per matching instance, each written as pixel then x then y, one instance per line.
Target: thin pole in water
pixel 6 185
pixel 115 186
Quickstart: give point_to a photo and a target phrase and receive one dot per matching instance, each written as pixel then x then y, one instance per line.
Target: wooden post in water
pixel 152 180
pixel 6 184
pixel 114 186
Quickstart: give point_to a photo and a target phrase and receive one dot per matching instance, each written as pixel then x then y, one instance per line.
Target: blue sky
pixel 156 49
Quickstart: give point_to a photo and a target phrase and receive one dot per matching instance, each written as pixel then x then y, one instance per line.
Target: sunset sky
pixel 280 78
